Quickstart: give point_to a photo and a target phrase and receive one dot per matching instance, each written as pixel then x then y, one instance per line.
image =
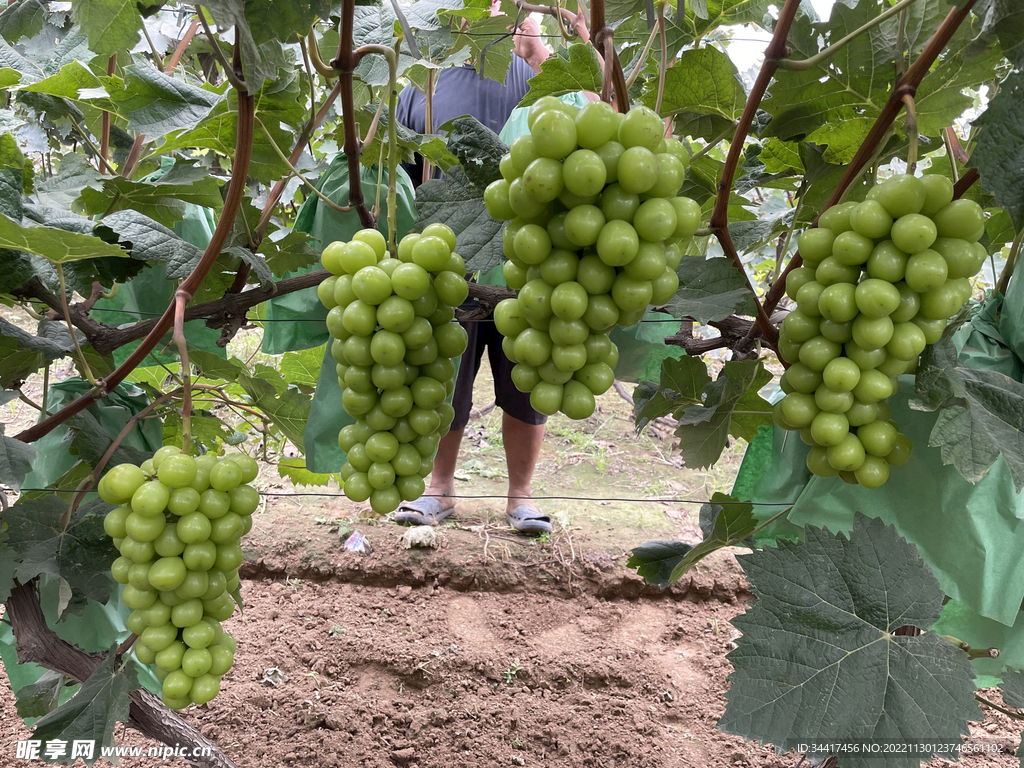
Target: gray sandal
pixel 528 519
pixel 426 510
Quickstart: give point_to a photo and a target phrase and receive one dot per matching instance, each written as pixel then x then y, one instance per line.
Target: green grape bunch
pixel 879 282
pixel 593 240
pixel 394 342
pixel 178 525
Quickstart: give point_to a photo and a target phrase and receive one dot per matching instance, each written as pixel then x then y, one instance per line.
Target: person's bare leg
pixel 522 443
pixel 442 479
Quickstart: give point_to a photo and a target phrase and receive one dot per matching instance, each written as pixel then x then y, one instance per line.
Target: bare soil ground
pixel 490 649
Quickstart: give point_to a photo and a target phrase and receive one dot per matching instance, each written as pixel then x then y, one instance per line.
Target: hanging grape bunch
pixel 395 339
pixel 178 529
pixel 880 281
pixel 593 240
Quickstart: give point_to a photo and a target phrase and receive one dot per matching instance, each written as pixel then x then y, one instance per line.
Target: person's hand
pixel 528 44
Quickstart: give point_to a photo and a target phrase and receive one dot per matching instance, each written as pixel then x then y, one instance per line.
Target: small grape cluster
pixel 593 240
pixel 178 529
pixel 880 280
pixel 395 339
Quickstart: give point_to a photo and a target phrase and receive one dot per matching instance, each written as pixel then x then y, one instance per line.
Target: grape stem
pixel 1011 262
pixel 318 63
pixel 105 119
pixel 180 300
pixel 992 705
pixel 642 58
pixel 827 53
pixel 86 370
pixel 663 70
pixel 392 58
pixel 908 103
pixel 346 62
pixel 720 215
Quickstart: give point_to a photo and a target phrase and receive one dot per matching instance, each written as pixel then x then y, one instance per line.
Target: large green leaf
pixel 704 81
pixel 286 20
pixel 709 290
pixel 22 354
pixel 57 245
pixel 731 405
pixel 156 104
pixel 163 200
pixel 147 240
pixel 287 252
pixel 478 148
pixel 1004 20
pixel 15 460
pixel 111 25
pixel 981 413
pixel 682 384
pixel 655 561
pixel 61 190
pixel 581 71
pixel 92 713
pixel 454 201
pixel 257 62
pixel 23 18
pixel 286 408
pixel 74 554
pixel 74 82
pixel 999 151
pixel 819 660
pixel 41 697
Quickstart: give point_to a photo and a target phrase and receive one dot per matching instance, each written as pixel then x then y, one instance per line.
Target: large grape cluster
pixel 394 343
pixel 880 280
pixel 593 240
pixel 178 529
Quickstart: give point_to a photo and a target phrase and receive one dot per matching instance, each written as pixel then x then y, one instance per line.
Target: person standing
pixel 461 91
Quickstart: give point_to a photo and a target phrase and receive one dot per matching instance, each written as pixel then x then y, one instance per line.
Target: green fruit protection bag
pixel 98 626
pixel 970 535
pixel 298 320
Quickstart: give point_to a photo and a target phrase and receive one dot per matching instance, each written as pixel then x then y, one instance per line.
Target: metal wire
pixel 325 494
pixel 668 319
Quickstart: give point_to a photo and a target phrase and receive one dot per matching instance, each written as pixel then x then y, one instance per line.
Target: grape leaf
pixel 731 406
pixel 111 25
pixel 156 104
pixel 682 383
pixel 41 697
pixel 74 82
pixel 478 148
pixel 91 441
pixel 8 565
pixel 302 368
pixel 23 18
pixel 62 189
pixel 981 413
pixel 285 408
pixel 16 460
pixel 163 201
pixel 295 470
pixel 287 252
pixel 454 201
pixel 999 151
pixel 22 354
pixel 147 240
pixel 704 81
pixel 656 561
pixel 1004 19
pixel 710 289
pixel 818 658
pixel 91 714
pixel 581 71
pixel 57 245
pixel 35 534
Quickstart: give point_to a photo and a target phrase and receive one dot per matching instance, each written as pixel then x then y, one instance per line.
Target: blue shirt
pixel 460 91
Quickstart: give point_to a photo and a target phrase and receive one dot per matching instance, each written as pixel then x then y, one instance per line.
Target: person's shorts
pixel 513 402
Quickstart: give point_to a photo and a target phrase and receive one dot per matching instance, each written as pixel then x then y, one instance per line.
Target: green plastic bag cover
pixel 970 535
pixel 297 320
pixel 642 347
pixel 99 626
pixel 150 291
